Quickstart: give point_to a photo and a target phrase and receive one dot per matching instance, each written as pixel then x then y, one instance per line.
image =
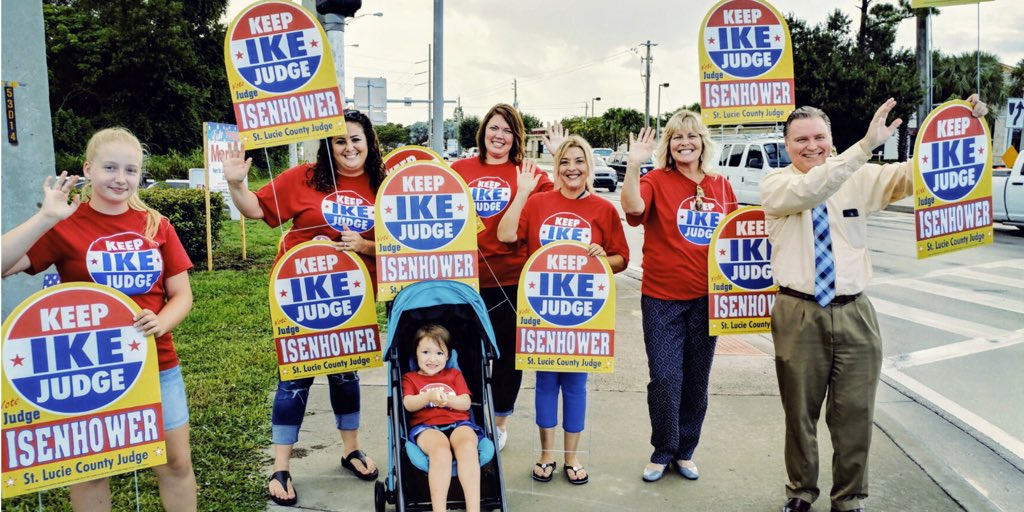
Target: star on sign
pixel 721 252
pixel 94 261
pixel 778 38
pixel 10 482
pixel 238 56
pixel 924 159
pixel 387 210
pixel 711 41
pixel 600 287
pixel 284 293
pixel 533 285
pixel 461 207
pixel 356 284
pixel 314 43
pixel 981 151
pixel 159 451
pixel 18 360
pixel 134 345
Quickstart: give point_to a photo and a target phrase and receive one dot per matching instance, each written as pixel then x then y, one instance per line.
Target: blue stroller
pixel 461 310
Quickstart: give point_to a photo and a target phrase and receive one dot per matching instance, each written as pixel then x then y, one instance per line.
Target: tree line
pixel 156 69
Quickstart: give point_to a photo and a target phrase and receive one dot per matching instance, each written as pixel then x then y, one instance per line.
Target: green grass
pixel 229 365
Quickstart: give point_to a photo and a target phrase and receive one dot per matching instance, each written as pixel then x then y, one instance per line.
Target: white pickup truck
pixel 1008 195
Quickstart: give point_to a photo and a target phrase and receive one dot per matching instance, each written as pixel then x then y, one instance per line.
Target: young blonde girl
pixel 64 233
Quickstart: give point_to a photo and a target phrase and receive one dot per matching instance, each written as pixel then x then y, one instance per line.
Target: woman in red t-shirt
pixel 492 178
pixel 438 401
pixel 153 271
pixel 679 203
pixel 570 212
pixel 348 170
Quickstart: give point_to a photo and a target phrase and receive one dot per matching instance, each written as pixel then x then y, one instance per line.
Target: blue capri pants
pixel 290 405
pixel 574 400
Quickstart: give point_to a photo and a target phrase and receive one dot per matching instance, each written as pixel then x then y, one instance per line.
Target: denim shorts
pixel 447 430
pixel 172 393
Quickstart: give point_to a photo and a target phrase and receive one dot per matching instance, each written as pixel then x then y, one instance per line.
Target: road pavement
pixel 948 423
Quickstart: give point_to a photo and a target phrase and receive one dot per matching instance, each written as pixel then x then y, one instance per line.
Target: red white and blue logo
pixel 424 206
pixel 951 156
pixel 126 262
pixel 743 252
pixel 406 155
pixel 744 38
pixel 318 287
pixel 564 286
pixel 74 350
pixel 695 225
pixel 346 208
pixel 565 226
pixel 490 195
pixel 276 48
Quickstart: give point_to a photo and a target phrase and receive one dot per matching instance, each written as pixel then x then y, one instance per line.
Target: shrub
pixel 186 209
pixel 173 165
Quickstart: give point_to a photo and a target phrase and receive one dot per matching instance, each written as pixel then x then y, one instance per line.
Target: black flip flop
pixel 359 455
pixel 544 467
pixel 575 470
pixel 282 478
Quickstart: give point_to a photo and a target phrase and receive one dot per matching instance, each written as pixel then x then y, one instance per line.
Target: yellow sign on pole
pixel 746 64
pixel 81 390
pixel 952 181
pixel 566 317
pixel 323 313
pixel 282 78
pixel 741 288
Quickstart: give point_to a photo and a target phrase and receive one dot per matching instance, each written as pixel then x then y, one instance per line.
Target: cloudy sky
pixel 565 52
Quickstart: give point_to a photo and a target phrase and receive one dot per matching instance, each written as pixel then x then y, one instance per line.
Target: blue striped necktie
pixel 824 264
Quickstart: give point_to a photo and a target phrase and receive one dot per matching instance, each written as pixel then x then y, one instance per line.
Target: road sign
pixel 1015 113
pixel 372 97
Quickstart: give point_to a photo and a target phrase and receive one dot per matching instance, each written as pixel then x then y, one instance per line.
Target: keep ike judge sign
pixel 282 76
pixel 81 390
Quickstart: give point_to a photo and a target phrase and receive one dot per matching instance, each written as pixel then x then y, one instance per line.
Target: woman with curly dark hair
pixel 330 199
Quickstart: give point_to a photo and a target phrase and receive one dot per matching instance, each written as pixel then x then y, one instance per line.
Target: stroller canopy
pixel 437 293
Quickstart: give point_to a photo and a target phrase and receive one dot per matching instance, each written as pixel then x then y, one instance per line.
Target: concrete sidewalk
pixel 740 455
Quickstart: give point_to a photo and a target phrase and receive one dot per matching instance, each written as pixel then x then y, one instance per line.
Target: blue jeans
pixel 172 398
pixel 574 400
pixel 290 405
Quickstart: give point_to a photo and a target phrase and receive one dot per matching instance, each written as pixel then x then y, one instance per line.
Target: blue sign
pixel 126 262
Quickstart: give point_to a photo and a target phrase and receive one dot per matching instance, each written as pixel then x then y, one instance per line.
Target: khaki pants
pixel 831 354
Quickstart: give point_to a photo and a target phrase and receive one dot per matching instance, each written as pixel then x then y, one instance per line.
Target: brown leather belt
pixel 839 300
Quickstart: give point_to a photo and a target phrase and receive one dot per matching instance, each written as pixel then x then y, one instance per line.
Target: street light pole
pixel 657 129
pixel 593 112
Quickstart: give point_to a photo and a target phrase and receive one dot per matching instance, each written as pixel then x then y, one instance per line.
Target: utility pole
pixel 437 96
pixel 647 85
pixel 515 93
pixel 586 113
pixel 924 62
pixel 430 99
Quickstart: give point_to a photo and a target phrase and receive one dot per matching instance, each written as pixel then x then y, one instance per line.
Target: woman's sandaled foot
pixel 576 475
pixel 544 471
pixel 280 489
pixel 653 472
pixel 366 470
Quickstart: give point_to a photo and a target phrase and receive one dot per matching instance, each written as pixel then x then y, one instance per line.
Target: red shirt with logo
pixel 493 187
pixel 676 235
pixel 451 381
pixel 112 250
pixel 319 214
pixel 550 217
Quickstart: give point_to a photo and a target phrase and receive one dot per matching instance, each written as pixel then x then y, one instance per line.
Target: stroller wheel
pixel 378 496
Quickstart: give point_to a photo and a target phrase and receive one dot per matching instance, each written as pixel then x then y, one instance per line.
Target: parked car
pixel 604 176
pixel 745 161
pixel 470 152
pixel 603 152
pixel 618 162
pixel 1008 195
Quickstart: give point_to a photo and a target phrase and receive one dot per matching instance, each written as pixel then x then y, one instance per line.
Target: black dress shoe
pixel 796 505
pixel 861 509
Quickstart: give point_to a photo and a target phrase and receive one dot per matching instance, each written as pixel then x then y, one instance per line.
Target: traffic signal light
pixel 346 8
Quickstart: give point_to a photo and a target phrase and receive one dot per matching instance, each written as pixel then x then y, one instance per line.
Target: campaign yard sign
pixel 323 313
pixel 952 181
pixel 746 64
pixel 81 390
pixel 218 139
pixel 426 229
pixel 741 288
pixel 281 74
pixel 566 317
pixel 408 154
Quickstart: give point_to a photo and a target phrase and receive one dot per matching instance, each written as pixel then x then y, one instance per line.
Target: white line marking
pixel 990 278
pixel 1016 264
pixel 990 431
pixel 953 292
pixel 954 350
pixel 936 320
